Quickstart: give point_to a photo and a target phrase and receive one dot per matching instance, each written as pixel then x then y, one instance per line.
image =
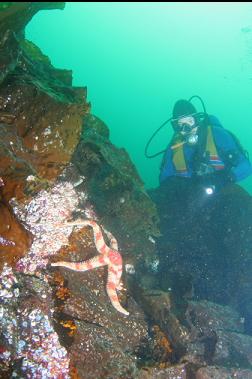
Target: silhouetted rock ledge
pixel 57 165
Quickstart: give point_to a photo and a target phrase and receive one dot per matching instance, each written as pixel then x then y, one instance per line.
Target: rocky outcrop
pixel 206 244
pixel 60 324
pixel 117 190
pixel 40 118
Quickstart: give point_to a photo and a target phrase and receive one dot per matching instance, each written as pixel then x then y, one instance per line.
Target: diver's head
pixel 184 118
pixel 183 108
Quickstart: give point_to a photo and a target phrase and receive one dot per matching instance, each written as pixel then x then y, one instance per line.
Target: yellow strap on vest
pixel 178 155
pixel 210 145
pixel 178 150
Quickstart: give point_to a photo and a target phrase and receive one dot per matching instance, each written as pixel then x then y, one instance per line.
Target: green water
pixel 137 59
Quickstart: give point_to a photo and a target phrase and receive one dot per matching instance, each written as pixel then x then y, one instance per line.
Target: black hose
pixel 153 135
pixel 202 103
pixel 161 126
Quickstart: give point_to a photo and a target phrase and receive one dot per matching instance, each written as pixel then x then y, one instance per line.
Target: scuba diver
pixel 205 216
pixel 203 150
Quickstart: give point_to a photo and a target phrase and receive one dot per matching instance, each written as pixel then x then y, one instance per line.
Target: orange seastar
pixel 109 256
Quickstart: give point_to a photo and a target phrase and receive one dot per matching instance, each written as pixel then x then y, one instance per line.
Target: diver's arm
pixel 237 164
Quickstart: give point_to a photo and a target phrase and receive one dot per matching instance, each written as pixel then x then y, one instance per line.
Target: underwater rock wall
pixel 117 190
pixel 55 323
pixel 40 117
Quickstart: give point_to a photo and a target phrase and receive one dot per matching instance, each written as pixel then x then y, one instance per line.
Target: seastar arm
pixel 99 240
pixel 98 237
pixel 95 262
pixel 111 291
pixel 112 240
pixel 109 255
pixel 115 265
pixel 119 285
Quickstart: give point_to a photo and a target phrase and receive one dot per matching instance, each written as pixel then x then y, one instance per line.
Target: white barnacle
pixel 151 239
pixel 154 265
pixel 30 178
pixel 130 269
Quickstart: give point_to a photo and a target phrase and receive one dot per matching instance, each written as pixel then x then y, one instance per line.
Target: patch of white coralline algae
pixel 45 216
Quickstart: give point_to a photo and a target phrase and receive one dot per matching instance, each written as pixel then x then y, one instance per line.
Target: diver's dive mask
pixel 184 124
pixel 187 127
